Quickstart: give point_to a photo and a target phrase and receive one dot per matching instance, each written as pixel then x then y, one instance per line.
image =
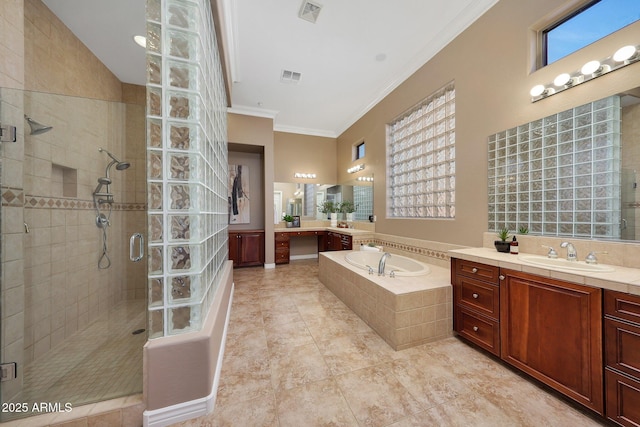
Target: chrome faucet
pixel 572 254
pixel 382 263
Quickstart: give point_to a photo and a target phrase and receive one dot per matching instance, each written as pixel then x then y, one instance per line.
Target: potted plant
pixel 330 208
pixel 348 208
pixel 289 220
pixel 502 245
pixel 523 229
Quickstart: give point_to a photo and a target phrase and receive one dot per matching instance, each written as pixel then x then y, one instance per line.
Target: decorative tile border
pixel 15 197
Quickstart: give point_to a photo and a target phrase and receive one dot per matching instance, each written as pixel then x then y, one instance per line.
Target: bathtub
pixel 406 310
pixel 401 265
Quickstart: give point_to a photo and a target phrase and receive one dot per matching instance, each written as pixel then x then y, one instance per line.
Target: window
pixel 359 151
pixel 596 20
pixel 421 162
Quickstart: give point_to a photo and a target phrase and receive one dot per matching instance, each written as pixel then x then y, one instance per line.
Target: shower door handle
pixel 132 243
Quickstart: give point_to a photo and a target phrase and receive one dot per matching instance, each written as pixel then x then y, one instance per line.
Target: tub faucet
pixel 382 263
pixel 572 254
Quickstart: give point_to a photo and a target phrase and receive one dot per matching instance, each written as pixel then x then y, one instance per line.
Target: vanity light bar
pixel 365 178
pixel 356 168
pixel 304 175
pixel 591 70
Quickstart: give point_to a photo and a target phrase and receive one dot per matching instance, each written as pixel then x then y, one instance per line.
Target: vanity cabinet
pixel 548 328
pixel 282 248
pixel 338 242
pixel 246 248
pixel 283 243
pixel 552 330
pixel 476 290
pixel 622 357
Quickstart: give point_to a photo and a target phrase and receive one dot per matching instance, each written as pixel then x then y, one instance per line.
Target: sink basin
pixel 563 264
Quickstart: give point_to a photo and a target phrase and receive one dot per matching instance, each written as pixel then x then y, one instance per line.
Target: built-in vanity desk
pixel 328 239
pixel 548 323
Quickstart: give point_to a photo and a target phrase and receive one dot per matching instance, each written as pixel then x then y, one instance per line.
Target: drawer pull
pixel 501 277
pixel 475 329
pixel 475 296
pixel 474 270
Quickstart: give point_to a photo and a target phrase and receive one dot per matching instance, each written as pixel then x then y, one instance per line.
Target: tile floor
pixel 297 356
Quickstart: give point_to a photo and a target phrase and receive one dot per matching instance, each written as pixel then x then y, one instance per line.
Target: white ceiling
pixel 353 56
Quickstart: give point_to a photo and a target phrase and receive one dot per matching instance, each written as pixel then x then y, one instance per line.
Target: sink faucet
pixel 572 254
pixel 382 263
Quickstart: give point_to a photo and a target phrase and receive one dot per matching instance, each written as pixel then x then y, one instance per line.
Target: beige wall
pixel 305 154
pixel 258 131
pixel 491 64
pixel 12 44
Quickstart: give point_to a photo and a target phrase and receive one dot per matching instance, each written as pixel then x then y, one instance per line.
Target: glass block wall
pixel 421 159
pixel 187 165
pixel 560 175
pixel 363 199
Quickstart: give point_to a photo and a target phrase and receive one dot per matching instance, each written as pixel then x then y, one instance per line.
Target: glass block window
pixel 421 161
pixel 560 175
pixel 187 170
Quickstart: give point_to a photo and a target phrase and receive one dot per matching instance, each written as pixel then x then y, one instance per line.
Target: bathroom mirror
pixel 303 199
pixel 570 193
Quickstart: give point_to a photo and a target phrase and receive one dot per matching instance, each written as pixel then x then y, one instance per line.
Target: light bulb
pixel 624 53
pixel 537 90
pixel 590 67
pixel 562 79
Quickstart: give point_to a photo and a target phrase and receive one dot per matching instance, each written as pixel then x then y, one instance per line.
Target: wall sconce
pixel 593 69
pixel 356 168
pixel 304 175
pixel 365 178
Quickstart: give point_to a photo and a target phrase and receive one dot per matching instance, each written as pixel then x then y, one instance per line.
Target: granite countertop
pixel 349 231
pixel 621 279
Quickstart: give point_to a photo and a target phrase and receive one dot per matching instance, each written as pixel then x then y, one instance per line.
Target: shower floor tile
pixel 101 362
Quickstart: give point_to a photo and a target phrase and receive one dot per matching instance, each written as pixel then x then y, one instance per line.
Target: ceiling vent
pixel 310 11
pixel 290 76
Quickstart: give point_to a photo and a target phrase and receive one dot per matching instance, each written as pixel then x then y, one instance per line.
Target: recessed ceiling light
pixel 140 41
pixel 381 57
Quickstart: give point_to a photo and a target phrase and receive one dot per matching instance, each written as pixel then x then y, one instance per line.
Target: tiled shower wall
pixel 188 167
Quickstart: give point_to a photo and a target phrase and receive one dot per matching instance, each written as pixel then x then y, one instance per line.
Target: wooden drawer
pixel 478 329
pixel 279 237
pixel 623 306
pixel 282 257
pixel 479 271
pixel 622 346
pixel 282 244
pixel 623 399
pixel 479 296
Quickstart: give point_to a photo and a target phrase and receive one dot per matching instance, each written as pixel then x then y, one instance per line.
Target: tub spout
pixel 382 263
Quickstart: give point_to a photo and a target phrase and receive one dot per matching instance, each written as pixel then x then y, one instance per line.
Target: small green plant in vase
pixel 523 229
pixel 288 219
pixel 502 245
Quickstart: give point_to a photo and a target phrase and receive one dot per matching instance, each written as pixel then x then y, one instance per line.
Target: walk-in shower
pixel 103 201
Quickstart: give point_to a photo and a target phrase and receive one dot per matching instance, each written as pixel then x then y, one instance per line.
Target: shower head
pixel 104 180
pixel 122 165
pixel 36 128
pixel 114 161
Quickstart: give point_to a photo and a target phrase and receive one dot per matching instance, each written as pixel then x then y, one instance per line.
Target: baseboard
pixel 195 408
pixel 269 266
pixel 307 256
